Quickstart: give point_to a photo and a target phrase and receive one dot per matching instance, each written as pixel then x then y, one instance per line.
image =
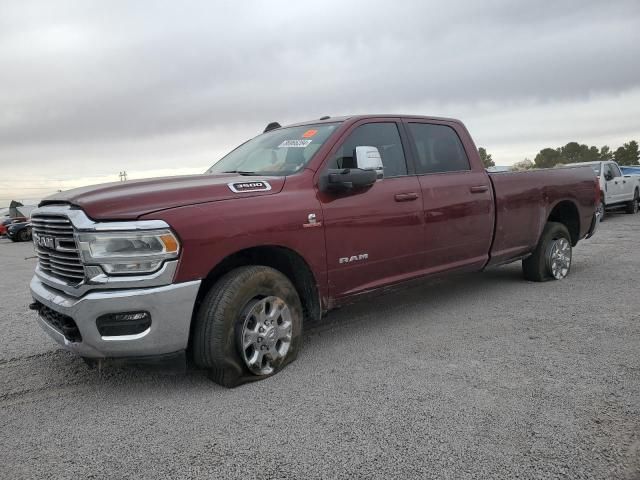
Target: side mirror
pixel 368 158
pixel 608 177
pixel 367 170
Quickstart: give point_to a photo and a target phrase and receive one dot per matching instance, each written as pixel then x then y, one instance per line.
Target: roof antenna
pixel 271 126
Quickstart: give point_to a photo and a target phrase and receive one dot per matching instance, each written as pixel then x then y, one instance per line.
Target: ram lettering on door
pixel 354 258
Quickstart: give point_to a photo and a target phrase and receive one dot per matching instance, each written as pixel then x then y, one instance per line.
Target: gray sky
pixel 88 89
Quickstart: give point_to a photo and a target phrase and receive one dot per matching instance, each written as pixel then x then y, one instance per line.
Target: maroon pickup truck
pixel 301 219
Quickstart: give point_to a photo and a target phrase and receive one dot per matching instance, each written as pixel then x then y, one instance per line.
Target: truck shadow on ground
pixel 58 369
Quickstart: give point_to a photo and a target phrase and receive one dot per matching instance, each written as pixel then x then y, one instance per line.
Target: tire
pixel 24 235
pixel 228 315
pixel 539 266
pixel 632 206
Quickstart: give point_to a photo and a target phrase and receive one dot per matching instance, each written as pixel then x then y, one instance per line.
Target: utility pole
pixel 123 176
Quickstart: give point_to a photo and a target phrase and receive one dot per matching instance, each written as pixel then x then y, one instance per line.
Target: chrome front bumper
pixel 171 308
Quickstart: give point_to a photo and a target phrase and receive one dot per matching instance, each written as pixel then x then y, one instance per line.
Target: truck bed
pixel 524 201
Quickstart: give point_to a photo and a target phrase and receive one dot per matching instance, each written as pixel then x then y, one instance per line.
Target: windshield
pixel 279 152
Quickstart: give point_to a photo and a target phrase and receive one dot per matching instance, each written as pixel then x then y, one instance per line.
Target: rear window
pixel 439 149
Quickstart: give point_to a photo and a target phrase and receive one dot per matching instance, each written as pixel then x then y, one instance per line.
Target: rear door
pixel 614 184
pixel 457 198
pixel 625 185
pixel 373 236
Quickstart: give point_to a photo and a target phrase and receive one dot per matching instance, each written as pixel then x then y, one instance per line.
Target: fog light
pixel 127 323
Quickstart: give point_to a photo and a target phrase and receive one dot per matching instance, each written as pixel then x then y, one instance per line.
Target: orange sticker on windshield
pixel 309 133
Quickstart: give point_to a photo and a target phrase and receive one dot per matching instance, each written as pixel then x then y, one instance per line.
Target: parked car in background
pixel 19 232
pixel 499 168
pixel 6 221
pixel 630 170
pixel 618 190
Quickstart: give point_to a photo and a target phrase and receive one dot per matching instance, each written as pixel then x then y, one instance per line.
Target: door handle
pixel 615 182
pixel 405 197
pixel 479 189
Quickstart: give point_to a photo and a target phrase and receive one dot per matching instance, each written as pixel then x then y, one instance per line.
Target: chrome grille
pixel 60 260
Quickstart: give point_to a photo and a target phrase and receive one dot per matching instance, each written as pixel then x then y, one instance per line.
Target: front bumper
pixel 171 308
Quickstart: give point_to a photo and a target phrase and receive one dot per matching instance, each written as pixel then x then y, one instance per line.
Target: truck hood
pixel 132 199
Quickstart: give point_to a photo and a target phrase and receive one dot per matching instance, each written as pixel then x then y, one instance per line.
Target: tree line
pixel 574 152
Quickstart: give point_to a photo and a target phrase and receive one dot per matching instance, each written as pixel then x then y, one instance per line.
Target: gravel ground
pixel 476 376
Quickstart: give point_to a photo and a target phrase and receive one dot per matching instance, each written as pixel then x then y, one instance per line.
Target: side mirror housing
pixel 367 171
pixel 368 158
pixel 608 177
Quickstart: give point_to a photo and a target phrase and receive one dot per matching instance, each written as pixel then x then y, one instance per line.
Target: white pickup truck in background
pixel 617 190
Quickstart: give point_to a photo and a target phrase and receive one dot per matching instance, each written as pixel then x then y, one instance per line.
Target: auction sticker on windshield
pixel 295 144
pixel 309 133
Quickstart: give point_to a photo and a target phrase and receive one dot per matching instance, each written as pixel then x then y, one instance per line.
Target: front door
pixel 373 236
pixel 613 187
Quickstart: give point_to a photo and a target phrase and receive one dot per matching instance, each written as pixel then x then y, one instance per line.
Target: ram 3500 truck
pixel 301 219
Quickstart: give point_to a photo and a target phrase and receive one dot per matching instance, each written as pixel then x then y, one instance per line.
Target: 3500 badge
pixel 255 186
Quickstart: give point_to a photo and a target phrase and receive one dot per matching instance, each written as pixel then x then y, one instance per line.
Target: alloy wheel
pixel 559 258
pixel 266 334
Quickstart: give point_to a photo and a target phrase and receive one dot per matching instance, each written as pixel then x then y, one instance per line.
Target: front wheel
pixel 551 260
pixel 24 235
pixel 632 206
pixel 248 327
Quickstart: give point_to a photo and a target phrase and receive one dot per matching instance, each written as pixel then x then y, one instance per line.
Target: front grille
pixel 62 323
pixel 57 256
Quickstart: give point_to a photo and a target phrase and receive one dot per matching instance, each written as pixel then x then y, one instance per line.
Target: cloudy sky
pixel 88 89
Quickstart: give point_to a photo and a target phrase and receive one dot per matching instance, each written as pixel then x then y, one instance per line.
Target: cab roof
pixel 355 118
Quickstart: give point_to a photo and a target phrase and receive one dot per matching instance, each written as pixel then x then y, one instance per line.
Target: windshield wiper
pixel 241 172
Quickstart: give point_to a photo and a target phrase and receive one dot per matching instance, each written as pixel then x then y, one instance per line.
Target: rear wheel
pixel 632 206
pixel 248 327
pixel 551 260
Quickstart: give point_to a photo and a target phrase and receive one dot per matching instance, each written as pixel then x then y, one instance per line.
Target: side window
pixel 439 149
pixel 385 137
pixel 615 170
pixel 608 172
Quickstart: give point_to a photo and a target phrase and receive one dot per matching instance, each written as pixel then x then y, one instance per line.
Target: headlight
pixel 128 252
